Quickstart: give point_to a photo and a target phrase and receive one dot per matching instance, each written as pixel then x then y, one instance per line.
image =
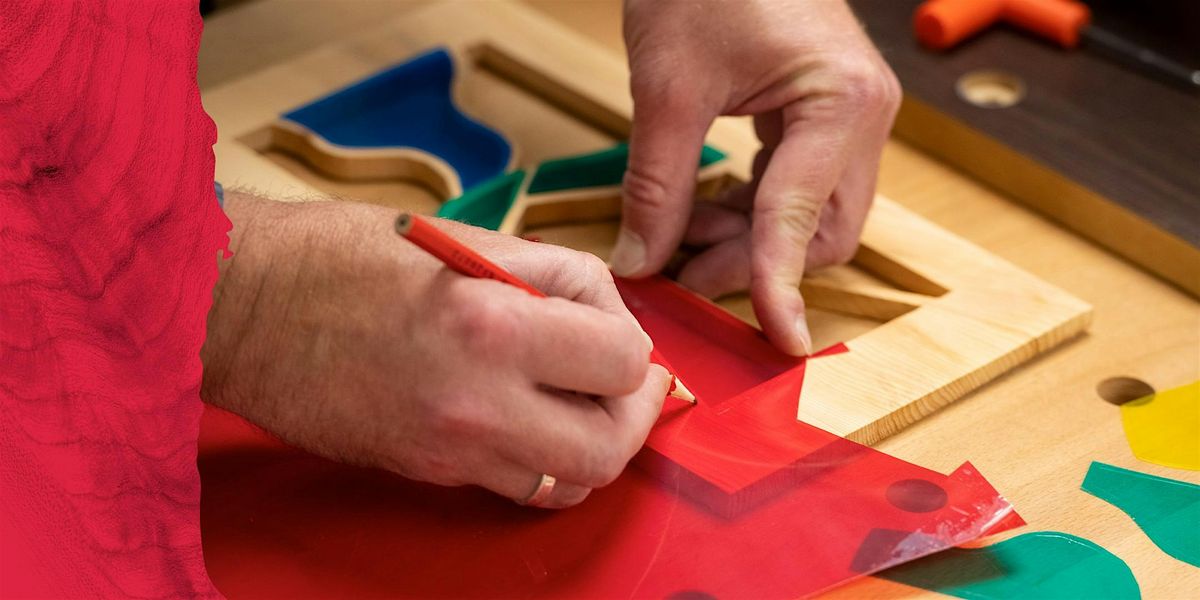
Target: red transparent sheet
pixel 732 498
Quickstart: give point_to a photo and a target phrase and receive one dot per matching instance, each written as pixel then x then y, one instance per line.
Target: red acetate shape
pixel 731 497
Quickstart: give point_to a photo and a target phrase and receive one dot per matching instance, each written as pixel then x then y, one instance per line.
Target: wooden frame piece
pixel 356 164
pixel 588 204
pixel 334 141
pixel 960 317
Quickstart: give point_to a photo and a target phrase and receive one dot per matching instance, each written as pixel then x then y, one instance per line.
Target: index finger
pixel 576 276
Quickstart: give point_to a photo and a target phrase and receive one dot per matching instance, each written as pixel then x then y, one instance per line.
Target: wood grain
pixel 108 228
pixel 993 318
pixel 1033 432
pixel 1094 145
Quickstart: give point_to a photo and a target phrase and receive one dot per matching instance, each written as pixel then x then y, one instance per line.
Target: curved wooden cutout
pixel 399 123
pixel 406 164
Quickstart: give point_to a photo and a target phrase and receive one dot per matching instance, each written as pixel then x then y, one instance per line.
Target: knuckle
pixel 457 301
pixel 865 86
pixel 485 330
pixel 582 271
pixel 602 467
pixel 894 89
pixel 892 94
pixel 797 217
pixel 646 189
pixel 595 269
pixel 562 276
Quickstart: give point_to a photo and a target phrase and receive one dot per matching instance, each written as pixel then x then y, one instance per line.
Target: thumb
pixel 802 173
pixel 664 155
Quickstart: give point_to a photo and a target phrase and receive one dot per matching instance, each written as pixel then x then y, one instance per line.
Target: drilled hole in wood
pixel 1119 390
pixel 990 89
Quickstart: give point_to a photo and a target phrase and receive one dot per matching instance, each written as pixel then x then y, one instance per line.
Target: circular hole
pixel 990 89
pixel 1119 390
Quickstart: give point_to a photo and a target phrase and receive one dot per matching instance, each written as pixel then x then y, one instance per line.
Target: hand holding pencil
pixel 466 261
pixel 342 339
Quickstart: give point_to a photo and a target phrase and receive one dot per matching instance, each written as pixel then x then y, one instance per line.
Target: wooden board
pixel 1095 146
pixel 961 316
pixel 1034 432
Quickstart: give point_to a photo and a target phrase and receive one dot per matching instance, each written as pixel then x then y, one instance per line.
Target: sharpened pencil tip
pixel 680 391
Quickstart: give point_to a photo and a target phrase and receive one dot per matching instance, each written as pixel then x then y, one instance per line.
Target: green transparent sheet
pixel 1042 564
pixel 1166 509
pixel 598 169
pixel 485 204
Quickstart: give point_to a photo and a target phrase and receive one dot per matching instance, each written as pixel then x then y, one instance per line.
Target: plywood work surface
pixel 1032 432
pixel 1099 147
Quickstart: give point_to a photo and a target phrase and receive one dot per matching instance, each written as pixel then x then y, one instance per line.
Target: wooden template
pixel 954 316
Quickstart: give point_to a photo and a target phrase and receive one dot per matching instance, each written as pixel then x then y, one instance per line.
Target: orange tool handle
pixel 940 24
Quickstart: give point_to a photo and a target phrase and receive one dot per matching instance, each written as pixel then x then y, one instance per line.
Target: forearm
pixel 233 301
pixel 242 294
pixel 269 327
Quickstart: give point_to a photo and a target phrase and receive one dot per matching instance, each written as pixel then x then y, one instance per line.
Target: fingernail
pixel 805 336
pixel 629 255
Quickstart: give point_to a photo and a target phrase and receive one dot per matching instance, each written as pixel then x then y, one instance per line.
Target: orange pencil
pixel 466 261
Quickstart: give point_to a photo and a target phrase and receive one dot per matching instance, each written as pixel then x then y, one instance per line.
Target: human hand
pixel 340 337
pixel 823 102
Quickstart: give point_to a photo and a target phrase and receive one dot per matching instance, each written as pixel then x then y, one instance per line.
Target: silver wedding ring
pixel 541 493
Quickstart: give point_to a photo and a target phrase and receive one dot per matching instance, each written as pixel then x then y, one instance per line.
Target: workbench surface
pixel 1032 432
